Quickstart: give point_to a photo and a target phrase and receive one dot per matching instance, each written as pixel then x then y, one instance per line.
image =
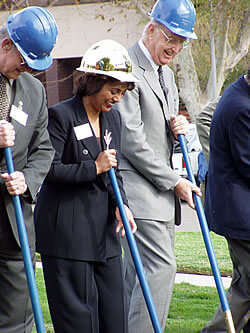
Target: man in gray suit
pixel 25 44
pixel 150 128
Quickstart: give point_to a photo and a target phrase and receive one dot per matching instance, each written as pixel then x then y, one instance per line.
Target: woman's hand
pixel 120 224
pixel 15 183
pixel 105 161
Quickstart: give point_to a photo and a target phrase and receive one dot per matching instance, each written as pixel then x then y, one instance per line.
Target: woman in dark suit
pixel 76 218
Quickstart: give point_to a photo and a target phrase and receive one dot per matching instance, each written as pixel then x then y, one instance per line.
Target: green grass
pixel 191 254
pixel 43 301
pixel 192 306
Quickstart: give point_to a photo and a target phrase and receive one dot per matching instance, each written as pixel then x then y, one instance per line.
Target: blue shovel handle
pixel 207 240
pixel 135 254
pixel 25 250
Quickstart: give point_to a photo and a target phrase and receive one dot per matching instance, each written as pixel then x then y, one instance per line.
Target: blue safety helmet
pixel 177 15
pixel 34 32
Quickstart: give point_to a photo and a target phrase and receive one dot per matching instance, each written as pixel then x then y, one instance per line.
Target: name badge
pixel 19 115
pixel 83 131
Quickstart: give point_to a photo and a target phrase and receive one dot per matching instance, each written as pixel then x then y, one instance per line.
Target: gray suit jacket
pixel 32 152
pixel 147 142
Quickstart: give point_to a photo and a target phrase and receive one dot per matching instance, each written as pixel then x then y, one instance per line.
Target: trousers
pixel 238 294
pixel 16 315
pixel 155 242
pixel 85 296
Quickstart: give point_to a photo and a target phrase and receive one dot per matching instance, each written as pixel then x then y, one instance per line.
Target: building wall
pixel 79 26
pixel 59 79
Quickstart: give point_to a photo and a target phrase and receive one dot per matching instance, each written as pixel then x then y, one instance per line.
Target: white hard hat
pixel 108 57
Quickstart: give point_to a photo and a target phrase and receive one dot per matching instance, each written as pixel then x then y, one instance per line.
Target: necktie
pixel 162 83
pixel 165 91
pixel 4 100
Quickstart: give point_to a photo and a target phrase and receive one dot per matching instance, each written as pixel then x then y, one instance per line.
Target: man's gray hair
pixel 152 21
pixel 3 33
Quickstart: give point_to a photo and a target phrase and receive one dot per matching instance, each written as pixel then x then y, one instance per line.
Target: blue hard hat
pixel 177 15
pixel 34 32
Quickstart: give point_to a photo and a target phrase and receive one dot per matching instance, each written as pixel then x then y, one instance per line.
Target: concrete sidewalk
pixel 201 280
pixel 195 279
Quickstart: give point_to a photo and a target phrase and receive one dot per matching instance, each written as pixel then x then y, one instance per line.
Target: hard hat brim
pixel 180 32
pixel 39 64
pixel 118 75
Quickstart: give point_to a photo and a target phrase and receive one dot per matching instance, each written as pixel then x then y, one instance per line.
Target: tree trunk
pixel 188 83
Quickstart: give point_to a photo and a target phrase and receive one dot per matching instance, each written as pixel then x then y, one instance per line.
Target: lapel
pixel 81 118
pixel 106 127
pixel 20 99
pixel 151 78
pixel 91 143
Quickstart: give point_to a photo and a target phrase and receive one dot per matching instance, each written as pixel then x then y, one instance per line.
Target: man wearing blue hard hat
pixel 26 42
pixel 150 127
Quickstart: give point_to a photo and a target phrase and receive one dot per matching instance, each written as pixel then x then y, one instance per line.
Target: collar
pixel 148 55
pixel 245 78
pixel 8 81
pixel 11 81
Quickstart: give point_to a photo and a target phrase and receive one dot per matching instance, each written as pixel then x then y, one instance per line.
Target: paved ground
pixel 190 221
pixel 201 280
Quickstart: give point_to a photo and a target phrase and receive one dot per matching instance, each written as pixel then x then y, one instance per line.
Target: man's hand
pixel 184 191
pixel 7 134
pixel 120 224
pixel 178 125
pixel 15 183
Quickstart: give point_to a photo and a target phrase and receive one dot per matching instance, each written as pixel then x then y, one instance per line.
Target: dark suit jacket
pixel 32 152
pixel 74 215
pixel 227 204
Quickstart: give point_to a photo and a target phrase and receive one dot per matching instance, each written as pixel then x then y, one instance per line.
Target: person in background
pixel 76 216
pixel 26 40
pixel 203 122
pixel 150 126
pixel 228 195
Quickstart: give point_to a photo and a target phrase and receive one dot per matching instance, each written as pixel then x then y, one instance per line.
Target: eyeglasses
pixel 174 41
pixel 23 62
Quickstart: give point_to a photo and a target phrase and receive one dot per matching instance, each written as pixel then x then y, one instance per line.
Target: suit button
pixel 85 152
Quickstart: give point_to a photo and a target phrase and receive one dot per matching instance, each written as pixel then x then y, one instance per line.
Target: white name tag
pixel 17 114
pixel 83 131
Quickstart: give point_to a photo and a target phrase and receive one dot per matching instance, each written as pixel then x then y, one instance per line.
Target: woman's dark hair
pixel 89 84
